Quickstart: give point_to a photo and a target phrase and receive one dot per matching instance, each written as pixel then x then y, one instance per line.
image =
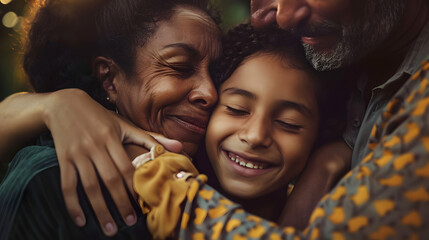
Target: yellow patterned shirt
pixel 386 196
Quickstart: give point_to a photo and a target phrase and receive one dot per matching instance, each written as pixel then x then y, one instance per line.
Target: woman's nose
pixel 286 13
pixel 204 94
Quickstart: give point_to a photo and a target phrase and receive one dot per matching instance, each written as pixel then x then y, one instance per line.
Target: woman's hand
pixel 324 168
pixel 88 139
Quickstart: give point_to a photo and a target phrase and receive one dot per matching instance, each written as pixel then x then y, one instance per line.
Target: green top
pixel 32 204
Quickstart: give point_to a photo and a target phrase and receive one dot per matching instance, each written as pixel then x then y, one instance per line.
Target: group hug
pixel 147 121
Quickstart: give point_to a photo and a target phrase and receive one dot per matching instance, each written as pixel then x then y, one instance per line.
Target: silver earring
pixel 108 98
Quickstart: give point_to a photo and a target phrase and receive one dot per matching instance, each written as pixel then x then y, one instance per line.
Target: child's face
pixel 263 129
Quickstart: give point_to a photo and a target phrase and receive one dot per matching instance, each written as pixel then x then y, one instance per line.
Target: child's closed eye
pixel 235 111
pixel 288 126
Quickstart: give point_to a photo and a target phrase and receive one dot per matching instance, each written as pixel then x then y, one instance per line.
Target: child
pixel 265 125
pixel 266 122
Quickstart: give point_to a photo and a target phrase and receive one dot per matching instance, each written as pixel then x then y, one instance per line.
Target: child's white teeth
pixel 244 164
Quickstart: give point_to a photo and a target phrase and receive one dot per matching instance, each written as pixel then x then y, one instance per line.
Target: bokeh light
pixel 10 19
pixel 5 2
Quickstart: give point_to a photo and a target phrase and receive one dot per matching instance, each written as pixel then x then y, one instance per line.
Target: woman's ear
pixel 107 72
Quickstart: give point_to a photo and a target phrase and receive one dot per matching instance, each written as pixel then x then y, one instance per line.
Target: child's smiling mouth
pixel 245 162
pixel 247 166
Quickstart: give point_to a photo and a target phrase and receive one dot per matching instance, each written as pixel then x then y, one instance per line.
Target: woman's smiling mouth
pixel 196 125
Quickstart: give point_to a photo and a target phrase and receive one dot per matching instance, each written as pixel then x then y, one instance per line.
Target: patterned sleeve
pixel 385 197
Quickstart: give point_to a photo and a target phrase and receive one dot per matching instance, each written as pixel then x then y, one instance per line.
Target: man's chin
pixel 327 59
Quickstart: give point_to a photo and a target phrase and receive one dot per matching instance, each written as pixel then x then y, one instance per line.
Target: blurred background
pixel 12 77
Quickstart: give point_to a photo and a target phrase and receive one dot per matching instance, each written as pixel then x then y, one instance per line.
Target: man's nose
pixel 263 13
pixel 286 13
pixel 291 12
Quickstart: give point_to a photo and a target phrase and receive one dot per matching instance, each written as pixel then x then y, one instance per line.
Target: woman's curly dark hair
pixel 64 36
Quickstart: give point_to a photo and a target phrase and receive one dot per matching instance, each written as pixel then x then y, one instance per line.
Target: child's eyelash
pixel 289 125
pixel 236 111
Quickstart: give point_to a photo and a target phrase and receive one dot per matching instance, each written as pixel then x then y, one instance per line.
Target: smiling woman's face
pixel 171 91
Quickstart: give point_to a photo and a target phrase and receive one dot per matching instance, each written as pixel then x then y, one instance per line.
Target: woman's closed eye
pixel 182 69
pixel 288 126
pixel 235 111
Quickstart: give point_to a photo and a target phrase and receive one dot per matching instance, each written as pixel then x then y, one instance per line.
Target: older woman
pixel 151 62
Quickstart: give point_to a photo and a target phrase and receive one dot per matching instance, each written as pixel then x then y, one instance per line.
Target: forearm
pixel 325 167
pixel 22 119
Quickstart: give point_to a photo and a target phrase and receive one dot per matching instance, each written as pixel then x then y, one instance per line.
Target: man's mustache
pixel 274 32
pixel 316 29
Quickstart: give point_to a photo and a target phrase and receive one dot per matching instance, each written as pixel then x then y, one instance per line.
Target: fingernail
pixel 130 219
pixel 79 221
pixel 109 228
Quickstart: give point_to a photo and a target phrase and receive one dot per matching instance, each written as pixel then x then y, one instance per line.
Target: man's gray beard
pixel 360 38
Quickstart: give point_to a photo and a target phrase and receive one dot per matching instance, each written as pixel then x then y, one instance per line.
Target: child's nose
pixel 256 133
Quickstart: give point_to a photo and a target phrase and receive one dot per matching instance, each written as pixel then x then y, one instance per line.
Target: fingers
pixel 68 186
pixel 132 134
pixel 170 144
pixel 114 180
pixel 93 191
pixel 123 164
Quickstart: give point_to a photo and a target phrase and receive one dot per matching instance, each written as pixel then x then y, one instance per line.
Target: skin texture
pixel 257 121
pixel 171 92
